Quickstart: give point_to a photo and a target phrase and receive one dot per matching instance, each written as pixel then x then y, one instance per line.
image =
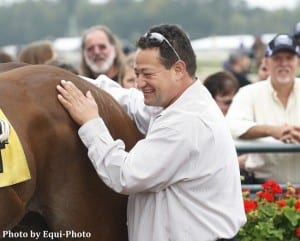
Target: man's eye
pixel 148 75
pixel 89 49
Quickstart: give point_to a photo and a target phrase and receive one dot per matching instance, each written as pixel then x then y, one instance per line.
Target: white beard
pixel 101 69
pixel 283 80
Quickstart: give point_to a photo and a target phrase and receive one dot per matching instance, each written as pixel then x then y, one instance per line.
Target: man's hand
pixel 82 108
pixel 292 135
pixel 285 133
pixel 4 130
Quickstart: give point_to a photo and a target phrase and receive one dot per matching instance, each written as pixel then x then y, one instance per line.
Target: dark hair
pixel 221 83
pixel 179 41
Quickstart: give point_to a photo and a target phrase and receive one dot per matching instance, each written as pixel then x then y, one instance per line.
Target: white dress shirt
pixel 258 104
pixel 183 179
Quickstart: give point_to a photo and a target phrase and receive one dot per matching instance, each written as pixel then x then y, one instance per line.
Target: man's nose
pixel 140 82
pixel 96 50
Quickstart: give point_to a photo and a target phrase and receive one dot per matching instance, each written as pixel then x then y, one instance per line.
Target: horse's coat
pixel 64 187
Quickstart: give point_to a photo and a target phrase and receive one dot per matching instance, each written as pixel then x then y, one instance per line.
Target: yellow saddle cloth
pixel 15 167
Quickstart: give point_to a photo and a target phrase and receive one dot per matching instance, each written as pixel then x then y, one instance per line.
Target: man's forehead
pixel 147 58
pixel 97 35
pixel 149 54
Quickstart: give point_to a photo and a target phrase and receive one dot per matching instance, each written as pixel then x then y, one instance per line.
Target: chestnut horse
pixel 64 187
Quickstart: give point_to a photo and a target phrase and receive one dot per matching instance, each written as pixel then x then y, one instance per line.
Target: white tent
pixel 227 42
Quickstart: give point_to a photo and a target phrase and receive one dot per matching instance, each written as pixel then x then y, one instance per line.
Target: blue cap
pixel 282 42
pixel 297 30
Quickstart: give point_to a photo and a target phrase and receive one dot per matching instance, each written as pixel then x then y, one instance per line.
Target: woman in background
pixel 37 52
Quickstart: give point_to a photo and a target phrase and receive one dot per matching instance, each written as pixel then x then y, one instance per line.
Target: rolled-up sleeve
pixel 240 116
pixel 106 155
pixel 149 166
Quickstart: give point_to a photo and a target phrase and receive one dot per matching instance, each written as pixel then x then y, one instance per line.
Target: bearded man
pixel 270 108
pixel 101 53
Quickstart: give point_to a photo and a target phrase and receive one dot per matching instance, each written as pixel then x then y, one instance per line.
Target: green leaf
pixel 291 215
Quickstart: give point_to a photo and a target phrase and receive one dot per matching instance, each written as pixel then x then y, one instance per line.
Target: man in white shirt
pixel 270 108
pixel 183 179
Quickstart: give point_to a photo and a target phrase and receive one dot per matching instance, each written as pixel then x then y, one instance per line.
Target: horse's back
pixel 64 186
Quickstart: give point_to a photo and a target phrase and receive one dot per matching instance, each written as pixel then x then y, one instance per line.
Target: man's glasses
pixel 158 38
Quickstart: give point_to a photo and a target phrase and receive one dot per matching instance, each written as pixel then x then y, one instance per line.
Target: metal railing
pixel 264 145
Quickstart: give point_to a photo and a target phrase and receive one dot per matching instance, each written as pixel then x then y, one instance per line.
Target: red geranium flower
pixel 265 195
pixel 272 186
pixel 297 206
pixel 272 214
pixel 281 203
pixel 250 205
pixel 298 232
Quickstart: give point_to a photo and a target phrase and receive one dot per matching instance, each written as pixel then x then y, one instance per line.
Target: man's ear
pixel 180 68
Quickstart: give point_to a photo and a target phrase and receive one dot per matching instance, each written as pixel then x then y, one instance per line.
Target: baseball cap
pixel 297 30
pixel 282 42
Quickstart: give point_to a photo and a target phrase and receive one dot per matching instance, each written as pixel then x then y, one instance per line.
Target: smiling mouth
pixel 147 91
pixel 98 58
pixel 283 71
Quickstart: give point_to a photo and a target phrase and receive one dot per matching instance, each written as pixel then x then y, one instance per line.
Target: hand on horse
pixel 82 108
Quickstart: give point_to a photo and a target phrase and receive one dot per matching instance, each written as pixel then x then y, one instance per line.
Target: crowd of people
pixel 187 164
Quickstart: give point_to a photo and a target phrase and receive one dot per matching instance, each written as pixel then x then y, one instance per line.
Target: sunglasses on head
pixel 158 38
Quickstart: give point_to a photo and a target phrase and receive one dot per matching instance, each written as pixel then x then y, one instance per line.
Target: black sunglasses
pixel 159 38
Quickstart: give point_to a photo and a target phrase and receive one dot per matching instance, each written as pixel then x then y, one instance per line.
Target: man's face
pixel 283 66
pixel 224 101
pixel 245 63
pixel 263 71
pixel 99 53
pixel 129 80
pixel 159 85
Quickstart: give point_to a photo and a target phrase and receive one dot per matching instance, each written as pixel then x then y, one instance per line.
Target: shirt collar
pixel 188 94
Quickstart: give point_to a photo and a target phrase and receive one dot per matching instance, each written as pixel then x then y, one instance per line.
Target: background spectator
pixel 270 109
pixel 297 33
pixel 128 77
pixel 238 64
pixel 258 51
pixel 101 53
pixel 222 86
pixel 37 52
pixel 263 72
